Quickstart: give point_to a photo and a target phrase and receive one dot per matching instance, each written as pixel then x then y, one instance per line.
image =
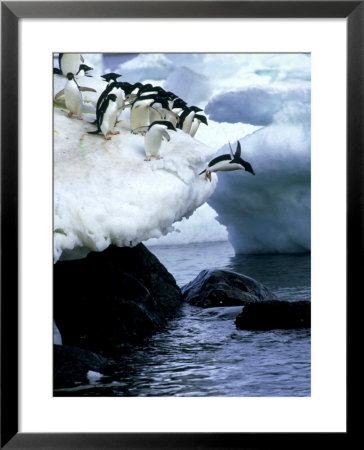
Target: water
pixel 202 353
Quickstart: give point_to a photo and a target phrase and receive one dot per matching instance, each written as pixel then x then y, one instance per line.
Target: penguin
pixel 186 118
pixel 107 117
pixel 69 63
pixel 139 113
pixel 154 136
pixel 159 109
pixel 110 77
pixel 83 69
pixel 197 120
pixel 228 163
pixel 72 95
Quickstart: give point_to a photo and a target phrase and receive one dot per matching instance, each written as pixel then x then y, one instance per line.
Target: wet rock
pixel 72 365
pixel 113 297
pixel 213 288
pixel 275 314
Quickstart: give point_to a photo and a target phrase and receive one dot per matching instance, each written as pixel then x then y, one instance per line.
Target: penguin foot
pixel 208 175
pixel 159 157
pixel 80 118
pixel 70 114
pixel 114 132
pixel 148 158
pixel 107 138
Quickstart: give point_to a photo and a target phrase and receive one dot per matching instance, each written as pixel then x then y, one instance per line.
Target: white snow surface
pixel 104 191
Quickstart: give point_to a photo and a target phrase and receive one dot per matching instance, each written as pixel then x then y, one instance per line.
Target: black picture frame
pixel 11 12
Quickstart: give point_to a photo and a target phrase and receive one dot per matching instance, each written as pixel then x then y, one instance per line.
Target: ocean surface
pixel 202 353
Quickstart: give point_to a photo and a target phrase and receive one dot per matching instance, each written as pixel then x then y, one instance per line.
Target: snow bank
pixel 104 191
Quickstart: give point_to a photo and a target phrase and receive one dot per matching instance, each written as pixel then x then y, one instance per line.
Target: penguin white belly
pixel 156 113
pixel 194 127
pixel 187 123
pixel 73 98
pixel 120 98
pixel 139 117
pixel 153 142
pixel 70 63
pixel 172 117
pixel 224 166
pixel 109 118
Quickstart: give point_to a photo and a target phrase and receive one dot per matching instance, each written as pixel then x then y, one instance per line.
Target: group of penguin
pixel 153 111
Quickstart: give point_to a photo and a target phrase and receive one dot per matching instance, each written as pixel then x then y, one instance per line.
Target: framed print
pixel 258 75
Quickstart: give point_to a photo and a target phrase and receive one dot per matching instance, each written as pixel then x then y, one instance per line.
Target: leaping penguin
pixel 107 117
pixel 228 162
pixel 154 136
pixel 72 95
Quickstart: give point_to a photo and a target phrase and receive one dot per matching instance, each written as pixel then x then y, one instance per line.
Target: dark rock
pixel 275 314
pixel 71 365
pixel 224 288
pixel 113 297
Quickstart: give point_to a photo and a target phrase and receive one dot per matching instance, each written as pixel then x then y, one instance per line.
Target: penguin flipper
pixel 82 58
pixel 94 132
pixel 60 93
pixel 238 151
pixel 57 71
pixel 166 136
pixel 231 152
pixel 86 89
pixel 202 172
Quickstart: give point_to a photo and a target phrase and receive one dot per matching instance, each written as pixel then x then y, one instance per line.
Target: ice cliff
pixel 104 191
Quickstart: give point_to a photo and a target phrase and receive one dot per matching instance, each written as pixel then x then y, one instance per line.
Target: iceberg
pixel 270 212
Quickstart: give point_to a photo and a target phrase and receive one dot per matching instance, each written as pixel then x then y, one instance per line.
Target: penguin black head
pixel 85 68
pixel 179 103
pixel 195 108
pixel 110 76
pixel 70 76
pixel 163 101
pixel 137 85
pixel 112 97
pixel 201 118
pixel 170 95
pixel 126 87
pixel 166 123
pixel 247 166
